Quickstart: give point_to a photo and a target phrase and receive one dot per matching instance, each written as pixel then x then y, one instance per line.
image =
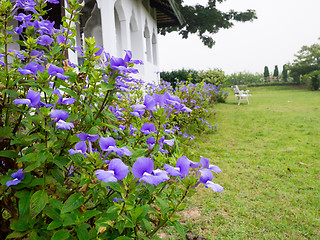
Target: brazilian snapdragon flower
pixel 57 71
pixel 143 169
pixel 138 110
pixel 62 100
pixel 117 170
pixel 147 128
pixel 182 168
pixel 88 137
pixel 33 99
pixel 59 117
pixel 18 176
pixel 31 68
pixel 108 144
pixel 205 164
pixel 80 147
pixel 63 125
pixel 45 40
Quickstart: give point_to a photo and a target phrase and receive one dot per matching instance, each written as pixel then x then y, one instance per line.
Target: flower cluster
pixel 85 151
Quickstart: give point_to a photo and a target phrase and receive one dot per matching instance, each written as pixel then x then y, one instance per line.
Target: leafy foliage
pixel 82 147
pixel 242 78
pixel 307 60
pixel 284 74
pixel 266 73
pixel 214 76
pixel 206 20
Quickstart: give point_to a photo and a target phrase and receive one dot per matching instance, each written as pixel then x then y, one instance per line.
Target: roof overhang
pixel 168 13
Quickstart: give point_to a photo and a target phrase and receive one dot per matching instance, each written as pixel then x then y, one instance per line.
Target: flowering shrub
pixel 84 153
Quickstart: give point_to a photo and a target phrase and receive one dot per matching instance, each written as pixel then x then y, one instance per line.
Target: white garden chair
pixel 240 95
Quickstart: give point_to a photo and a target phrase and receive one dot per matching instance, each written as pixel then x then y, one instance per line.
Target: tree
pixel 276 72
pixel 206 20
pixel 266 73
pixel 284 73
pixel 306 61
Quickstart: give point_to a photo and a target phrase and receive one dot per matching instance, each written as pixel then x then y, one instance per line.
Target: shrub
pixel 179 76
pixel 214 76
pixel 84 153
pixel 244 78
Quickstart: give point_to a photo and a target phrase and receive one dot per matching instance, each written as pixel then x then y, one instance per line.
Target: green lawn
pixel 270 157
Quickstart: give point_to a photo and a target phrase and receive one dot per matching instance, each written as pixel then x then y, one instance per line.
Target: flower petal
pixel 120 169
pixel 106 176
pixel 214 186
pixel 141 166
pixel 206 175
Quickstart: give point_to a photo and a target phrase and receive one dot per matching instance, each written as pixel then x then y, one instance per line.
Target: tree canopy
pixel 306 61
pixel 207 20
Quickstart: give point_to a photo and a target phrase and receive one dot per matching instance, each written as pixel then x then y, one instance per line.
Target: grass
pixel 270 157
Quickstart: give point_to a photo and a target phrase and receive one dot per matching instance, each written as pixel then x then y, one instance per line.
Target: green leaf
pixel 70 92
pixel 31 157
pixel 146 224
pixel 54 224
pixel 89 214
pixel 180 229
pixel 38 201
pixel 106 87
pixel 20 225
pixel 57 48
pixel 73 202
pixel 8 153
pixel 89 111
pixel 58 175
pixel 16 235
pixel 162 204
pixel 61 162
pixel 82 234
pixel 60 235
pixel 24 204
pixel 5 132
pixel 123 238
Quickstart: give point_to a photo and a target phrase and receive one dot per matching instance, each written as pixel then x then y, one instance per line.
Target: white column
pixel 108 25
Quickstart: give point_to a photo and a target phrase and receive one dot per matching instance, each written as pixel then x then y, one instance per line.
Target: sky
pixel 282 28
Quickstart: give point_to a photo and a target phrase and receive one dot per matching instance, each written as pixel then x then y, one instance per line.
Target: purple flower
pixel 45 40
pixel 150 103
pixel 57 71
pixel 64 125
pixel 143 169
pixel 147 128
pixel 205 164
pixel 182 167
pixel 33 99
pixel 214 186
pixel 169 142
pixel 117 171
pixel 206 175
pixel 63 100
pixel 80 147
pixel 120 151
pixel 138 110
pixel 57 115
pixel 18 176
pixel 88 137
pixel 61 39
pixel 106 142
pixel 31 68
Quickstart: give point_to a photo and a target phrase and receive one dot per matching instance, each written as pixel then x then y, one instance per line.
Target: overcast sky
pixel 282 28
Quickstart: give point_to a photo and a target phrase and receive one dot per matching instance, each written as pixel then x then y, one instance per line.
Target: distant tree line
pixel 304 70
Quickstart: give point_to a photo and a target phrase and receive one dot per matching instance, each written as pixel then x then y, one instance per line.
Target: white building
pixel 119 25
